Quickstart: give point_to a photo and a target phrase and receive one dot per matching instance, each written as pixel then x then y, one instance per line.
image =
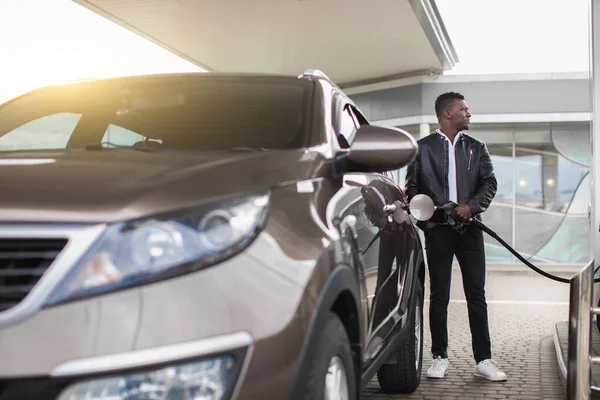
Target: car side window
pixel 344 122
pixel 347 126
pixel 119 136
pixel 360 119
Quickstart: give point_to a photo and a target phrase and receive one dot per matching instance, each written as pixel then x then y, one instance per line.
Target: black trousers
pixel 442 244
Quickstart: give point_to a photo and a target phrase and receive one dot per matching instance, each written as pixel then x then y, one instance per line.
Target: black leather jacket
pixel 475 179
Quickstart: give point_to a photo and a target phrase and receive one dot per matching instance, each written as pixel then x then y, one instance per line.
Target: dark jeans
pixel 442 243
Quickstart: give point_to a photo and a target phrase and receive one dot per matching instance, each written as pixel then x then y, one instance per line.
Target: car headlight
pixel 203 380
pixel 147 250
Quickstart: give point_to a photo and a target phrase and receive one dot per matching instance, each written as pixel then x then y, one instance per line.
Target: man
pixel 452 166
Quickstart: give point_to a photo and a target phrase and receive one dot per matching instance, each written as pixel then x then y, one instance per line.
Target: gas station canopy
pixel 355 42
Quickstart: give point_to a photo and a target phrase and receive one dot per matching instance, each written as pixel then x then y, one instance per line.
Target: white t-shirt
pixel 452 190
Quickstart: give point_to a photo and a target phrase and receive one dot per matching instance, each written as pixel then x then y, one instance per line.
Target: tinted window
pixel 343 121
pixel 191 113
pixel 347 126
pixel 117 136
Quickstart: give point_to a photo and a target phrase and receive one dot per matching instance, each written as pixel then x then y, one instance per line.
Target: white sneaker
pixel 438 368
pixel 489 370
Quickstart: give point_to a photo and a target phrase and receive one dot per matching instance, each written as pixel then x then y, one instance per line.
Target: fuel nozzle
pixel 448 210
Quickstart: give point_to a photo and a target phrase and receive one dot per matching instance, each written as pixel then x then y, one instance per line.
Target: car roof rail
pixel 313 73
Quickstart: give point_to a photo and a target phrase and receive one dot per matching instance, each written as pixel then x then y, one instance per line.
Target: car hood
pixel 112 185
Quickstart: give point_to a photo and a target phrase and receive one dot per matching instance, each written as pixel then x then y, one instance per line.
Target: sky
pixel 517 36
pixel 53 41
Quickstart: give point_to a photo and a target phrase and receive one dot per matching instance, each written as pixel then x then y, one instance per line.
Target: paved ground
pixel 522 310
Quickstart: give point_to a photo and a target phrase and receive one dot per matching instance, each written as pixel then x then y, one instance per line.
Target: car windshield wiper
pixel 109 145
pixel 240 149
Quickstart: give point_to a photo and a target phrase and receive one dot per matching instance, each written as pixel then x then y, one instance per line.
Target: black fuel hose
pixel 448 210
pixel 493 234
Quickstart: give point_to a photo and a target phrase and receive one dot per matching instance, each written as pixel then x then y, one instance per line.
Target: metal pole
pixel 514 194
pixel 580 301
pixel 579 361
pixel 594 59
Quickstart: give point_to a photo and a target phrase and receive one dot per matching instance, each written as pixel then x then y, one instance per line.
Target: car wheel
pixel 332 375
pixel 405 375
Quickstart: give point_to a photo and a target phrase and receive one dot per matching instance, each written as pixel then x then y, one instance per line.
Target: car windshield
pixel 182 113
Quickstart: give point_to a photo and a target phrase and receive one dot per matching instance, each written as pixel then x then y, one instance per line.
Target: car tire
pixel 332 366
pixel 404 376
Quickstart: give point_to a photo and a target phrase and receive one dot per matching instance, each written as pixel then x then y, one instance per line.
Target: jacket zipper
pixel 470 157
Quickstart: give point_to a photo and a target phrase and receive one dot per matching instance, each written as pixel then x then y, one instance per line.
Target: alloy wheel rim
pixel 336 380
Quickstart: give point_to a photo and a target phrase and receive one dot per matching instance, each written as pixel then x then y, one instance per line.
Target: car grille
pixel 22 264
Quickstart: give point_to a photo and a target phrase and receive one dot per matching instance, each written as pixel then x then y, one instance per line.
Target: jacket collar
pixel 456 138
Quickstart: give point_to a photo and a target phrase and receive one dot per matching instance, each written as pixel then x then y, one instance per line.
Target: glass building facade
pixel 543 199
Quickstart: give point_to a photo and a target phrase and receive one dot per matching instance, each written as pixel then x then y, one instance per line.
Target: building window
pixel 543 192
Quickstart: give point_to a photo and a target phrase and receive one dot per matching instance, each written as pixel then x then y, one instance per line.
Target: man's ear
pixel 447 114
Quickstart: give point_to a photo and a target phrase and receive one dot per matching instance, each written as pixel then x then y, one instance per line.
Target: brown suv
pixel 204 236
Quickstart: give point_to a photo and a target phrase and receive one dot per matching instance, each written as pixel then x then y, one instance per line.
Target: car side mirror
pixel 421 207
pixel 378 149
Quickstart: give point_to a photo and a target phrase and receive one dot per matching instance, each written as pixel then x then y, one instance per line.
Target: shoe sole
pixel 436 377
pixel 489 379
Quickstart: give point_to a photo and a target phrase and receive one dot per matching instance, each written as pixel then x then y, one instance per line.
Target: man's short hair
pixel 444 100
